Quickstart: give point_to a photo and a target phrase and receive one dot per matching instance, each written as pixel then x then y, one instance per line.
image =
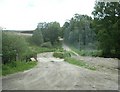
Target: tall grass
pixel 16 66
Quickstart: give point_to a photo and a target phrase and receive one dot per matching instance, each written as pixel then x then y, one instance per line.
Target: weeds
pixel 16 66
pixel 79 63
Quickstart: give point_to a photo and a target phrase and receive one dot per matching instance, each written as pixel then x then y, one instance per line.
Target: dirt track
pixel 55 74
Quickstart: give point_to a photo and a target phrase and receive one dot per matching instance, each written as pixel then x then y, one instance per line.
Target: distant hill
pixel 20 31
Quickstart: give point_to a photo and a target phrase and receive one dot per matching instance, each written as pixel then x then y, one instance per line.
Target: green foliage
pixel 0 69
pixel 106 22
pixel 61 54
pixel 40 49
pixel 0 42
pixel 79 63
pixel 16 47
pixel 50 31
pixel 95 53
pixel 46 44
pixel 16 66
pixel 58 54
pixel 46 32
pixel 44 49
pixel 37 37
pixel 78 31
pixel 37 49
pixel 13 46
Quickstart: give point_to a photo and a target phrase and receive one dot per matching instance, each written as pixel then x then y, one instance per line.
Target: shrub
pixel 61 54
pixel 58 55
pixel 13 46
pixel 29 54
pixel 46 44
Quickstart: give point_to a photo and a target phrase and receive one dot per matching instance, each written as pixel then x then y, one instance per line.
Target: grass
pixel 61 54
pixel 40 49
pixel 79 63
pixel 17 66
pixel 66 55
pixel 0 69
pixel 93 53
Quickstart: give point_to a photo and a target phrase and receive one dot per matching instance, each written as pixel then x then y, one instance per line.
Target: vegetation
pixel 61 54
pixel 100 33
pixel 38 49
pixel 99 36
pixel 0 44
pixel 67 57
pixel 14 48
pixel 106 26
pixel 78 32
pixel 79 63
pixel 47 32
pixel 15 51
pixel 17 66
pixel 0 69
pixel 37 37
pixel 94 53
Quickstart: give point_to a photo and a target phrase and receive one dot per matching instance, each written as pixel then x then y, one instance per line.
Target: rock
pixel 51 61
pixel 32 59
pixel 93 86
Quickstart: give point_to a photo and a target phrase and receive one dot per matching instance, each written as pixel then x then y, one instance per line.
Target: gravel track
pixel 54 74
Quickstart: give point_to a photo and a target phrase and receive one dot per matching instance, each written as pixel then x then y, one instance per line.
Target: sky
pixel 26 14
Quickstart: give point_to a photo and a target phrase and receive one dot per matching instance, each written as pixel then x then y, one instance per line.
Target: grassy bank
pixel 79 63
pixel 17 66
pixel 93 53
pixel 61 54
pixel 67 57
pixel 39 49
pixel 22 48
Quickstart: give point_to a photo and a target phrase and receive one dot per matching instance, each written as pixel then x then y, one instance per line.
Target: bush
pixel 58 55
pixel 61 54
pixel 29 54
pixel 46 44
pixel 13 46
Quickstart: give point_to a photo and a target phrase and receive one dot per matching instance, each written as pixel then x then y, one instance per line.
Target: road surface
pixel 55 74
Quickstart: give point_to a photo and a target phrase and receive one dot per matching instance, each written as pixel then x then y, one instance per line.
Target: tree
pixel 50 31
pixel 78 31
pixel 106 20
pixel 37 37
pixel 53 32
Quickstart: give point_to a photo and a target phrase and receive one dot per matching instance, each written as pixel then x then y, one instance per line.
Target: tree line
pixel 106 25
pixel 47 33
pixel 101 32
pixel 79 33
pixel 83 32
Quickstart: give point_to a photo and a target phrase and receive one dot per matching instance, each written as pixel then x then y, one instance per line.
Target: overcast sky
pixel 26 14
